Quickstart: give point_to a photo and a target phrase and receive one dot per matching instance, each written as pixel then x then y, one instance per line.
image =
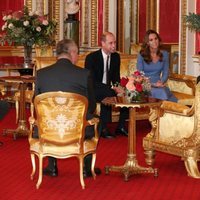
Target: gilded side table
pixel 131 165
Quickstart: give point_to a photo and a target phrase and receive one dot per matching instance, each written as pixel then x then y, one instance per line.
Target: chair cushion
pixel 183 98
pixel 64 150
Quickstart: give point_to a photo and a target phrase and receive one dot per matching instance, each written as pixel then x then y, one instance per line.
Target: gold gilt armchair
pixel 61 122
pixel 176 130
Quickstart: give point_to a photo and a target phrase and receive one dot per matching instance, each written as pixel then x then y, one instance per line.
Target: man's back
pixel 66 77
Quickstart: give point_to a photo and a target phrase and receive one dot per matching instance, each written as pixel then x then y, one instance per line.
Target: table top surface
pixel 19 79
pixel 5 66
pixel 122 102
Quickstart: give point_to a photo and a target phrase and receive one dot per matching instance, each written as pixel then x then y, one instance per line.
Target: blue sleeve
pixel 165 70
pixel 140 61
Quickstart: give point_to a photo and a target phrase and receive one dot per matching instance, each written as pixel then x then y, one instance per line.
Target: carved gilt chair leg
pixel 17 109
pixel 192 167
pixel 92 165
pixel 40 172
pixel 33 166
pixel 149 157
pixel 32 109
pixel 81 172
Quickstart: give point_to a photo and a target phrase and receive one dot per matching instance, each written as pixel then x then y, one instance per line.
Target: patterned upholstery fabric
pixel 176 130
pixel 61 122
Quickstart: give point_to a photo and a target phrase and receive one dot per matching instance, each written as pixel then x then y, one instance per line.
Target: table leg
pixel 131 165
pixel 22 126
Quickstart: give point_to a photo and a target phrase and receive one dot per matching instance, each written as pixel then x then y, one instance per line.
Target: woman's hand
pixel 159 84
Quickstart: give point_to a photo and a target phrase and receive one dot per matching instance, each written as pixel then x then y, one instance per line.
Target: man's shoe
pixel 50 172
pixel 106 134
pixel 87 174
pixel 121 131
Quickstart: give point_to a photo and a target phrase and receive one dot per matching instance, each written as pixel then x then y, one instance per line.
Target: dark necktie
pixel 107 71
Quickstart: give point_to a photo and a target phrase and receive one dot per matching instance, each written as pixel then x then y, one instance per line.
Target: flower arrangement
pixel 137 86
pixel 27 29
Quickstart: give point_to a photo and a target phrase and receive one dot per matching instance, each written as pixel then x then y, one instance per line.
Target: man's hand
pixel 118 90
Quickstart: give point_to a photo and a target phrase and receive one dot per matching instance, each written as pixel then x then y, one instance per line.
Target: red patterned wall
pixel 169 21
pixel 100 20
pixel 142 19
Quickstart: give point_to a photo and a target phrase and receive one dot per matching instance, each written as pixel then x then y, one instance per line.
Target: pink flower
pixel 45 22
pixel 42 18
pixel 18 15
pixel 130 85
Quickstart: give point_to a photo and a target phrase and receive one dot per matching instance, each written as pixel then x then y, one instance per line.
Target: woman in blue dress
pixel 154 62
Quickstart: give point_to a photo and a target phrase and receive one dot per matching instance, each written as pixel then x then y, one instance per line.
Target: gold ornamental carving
pixel 94 23
pixel 182 48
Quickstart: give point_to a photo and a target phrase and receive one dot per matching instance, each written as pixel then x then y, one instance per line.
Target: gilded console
pixel 176 130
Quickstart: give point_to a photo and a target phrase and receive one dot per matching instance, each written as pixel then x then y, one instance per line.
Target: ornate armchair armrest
pixel 186 82
pixel 32 122
pixel 94 121
pixel 179 109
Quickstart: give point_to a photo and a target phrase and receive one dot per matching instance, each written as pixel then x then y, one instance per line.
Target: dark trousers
pixel 106 116
pixel 102 92
pixel 4 108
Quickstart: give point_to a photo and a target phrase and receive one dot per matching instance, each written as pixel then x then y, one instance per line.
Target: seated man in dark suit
pixel 65 76
pixel 105 67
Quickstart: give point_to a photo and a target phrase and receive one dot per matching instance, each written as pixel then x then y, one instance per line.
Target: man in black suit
pixel 65 76
pixel 105 67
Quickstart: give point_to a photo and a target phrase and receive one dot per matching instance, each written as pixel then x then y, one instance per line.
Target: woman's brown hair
pixel 145 51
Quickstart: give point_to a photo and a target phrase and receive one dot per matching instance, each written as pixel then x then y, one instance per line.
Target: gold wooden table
pixel 131 165
pixel 22 81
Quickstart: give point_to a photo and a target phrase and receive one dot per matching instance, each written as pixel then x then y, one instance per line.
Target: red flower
pixel 138 87
pixel 124 81
pixel 137 73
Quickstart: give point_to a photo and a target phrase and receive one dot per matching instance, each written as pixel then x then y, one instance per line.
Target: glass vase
pixel 27 56
pixel 133 97
pixel 139 98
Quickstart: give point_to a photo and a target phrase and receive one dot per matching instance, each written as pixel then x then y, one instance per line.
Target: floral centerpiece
pixel 27 29
pixel 137 86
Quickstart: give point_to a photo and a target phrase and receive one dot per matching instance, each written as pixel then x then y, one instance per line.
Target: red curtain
pixel 100 21
pixel 9 5
pixel 169 21
pixel 142 19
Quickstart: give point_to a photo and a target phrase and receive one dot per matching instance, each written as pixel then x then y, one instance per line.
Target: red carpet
pixel 172 183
